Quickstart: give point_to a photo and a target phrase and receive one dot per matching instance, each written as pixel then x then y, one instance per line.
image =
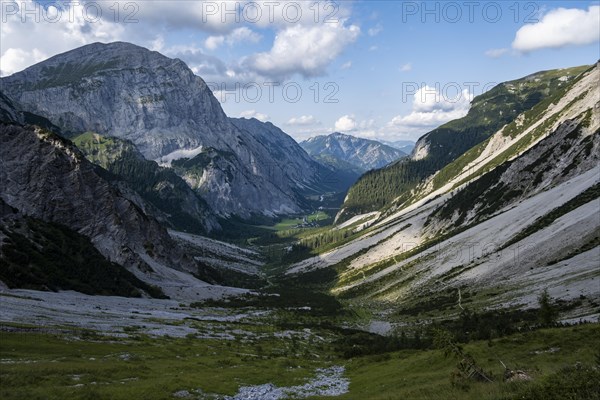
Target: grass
pixel 290 223
pixel 44 366
pixel 416 375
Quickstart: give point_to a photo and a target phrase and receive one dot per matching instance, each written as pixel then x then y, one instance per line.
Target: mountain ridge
pixel 157 103
pixel 364 154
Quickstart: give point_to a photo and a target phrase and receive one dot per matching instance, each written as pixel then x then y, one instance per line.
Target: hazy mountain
pixel 406 146
pixel 168 113
pixel 363 154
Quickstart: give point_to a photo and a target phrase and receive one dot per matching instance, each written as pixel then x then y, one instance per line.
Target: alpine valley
pixel 153 247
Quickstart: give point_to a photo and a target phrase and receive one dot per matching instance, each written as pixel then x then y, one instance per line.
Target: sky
pixel 390 70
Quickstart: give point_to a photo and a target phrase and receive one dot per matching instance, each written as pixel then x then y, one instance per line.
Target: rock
pixel 46 177
pixel 157 103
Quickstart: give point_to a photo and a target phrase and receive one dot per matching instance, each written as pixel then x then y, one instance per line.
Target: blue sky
pixel 359 71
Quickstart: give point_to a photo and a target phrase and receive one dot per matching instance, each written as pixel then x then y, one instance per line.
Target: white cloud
pixel 374 31
pixel 559 28
pixel 496 53
pixel 238 35
pixel 213 42
pixel 14 60
pixel 346 65
pixel 158 44
pixel 430 109
pixel 303 120
pixel 207 16
pixel 373 48
pixel 345 123
pixel 303 50
pixel 406 67
pixel 254 114
pixel 22 41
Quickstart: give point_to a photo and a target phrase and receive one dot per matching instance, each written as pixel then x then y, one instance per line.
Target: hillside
pixel 488 113
pixel 519 216
pixel 180 207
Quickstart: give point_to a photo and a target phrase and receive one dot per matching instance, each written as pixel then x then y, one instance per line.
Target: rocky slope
pixel 178 205
pixel 48 256
pixel 489 112
pixel 168 113
pixel 293 162
pixel 362 153
pixel 514 215
pixel 47 178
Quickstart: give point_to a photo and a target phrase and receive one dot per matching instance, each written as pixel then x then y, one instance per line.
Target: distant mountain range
pixel 342 150
pixel 406 146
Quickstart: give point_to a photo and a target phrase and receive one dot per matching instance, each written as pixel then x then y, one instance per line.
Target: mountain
pixel 363 154
pixel 178 205
pixel 43 255
pixel 512 216
pixel 489 112
pixel 47 178
pixel 406 146
pixel 158 104
pixel 293 161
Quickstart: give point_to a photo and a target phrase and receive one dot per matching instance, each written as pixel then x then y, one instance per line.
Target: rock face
pixel 157 103
pixel 46 177
pixel 362 153
pixel 177 204
pixel 288 162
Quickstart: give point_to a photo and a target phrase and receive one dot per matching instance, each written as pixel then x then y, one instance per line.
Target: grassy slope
pixel 47 366
pixel 424 374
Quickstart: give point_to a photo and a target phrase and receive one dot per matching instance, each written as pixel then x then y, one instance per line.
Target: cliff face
pixel 46 177
pixel 168 113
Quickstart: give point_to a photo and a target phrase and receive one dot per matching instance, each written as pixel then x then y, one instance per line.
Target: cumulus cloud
pixel 22 40
pixel 303 120
pixel 14 60
pixel 559 28
pixel 431 108
pixel 345 123
pixel 213 42
pixel 254 114
pixel 303 50
pixel 238 35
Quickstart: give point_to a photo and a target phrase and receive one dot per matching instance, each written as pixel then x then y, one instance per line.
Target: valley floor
pixel 68 345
